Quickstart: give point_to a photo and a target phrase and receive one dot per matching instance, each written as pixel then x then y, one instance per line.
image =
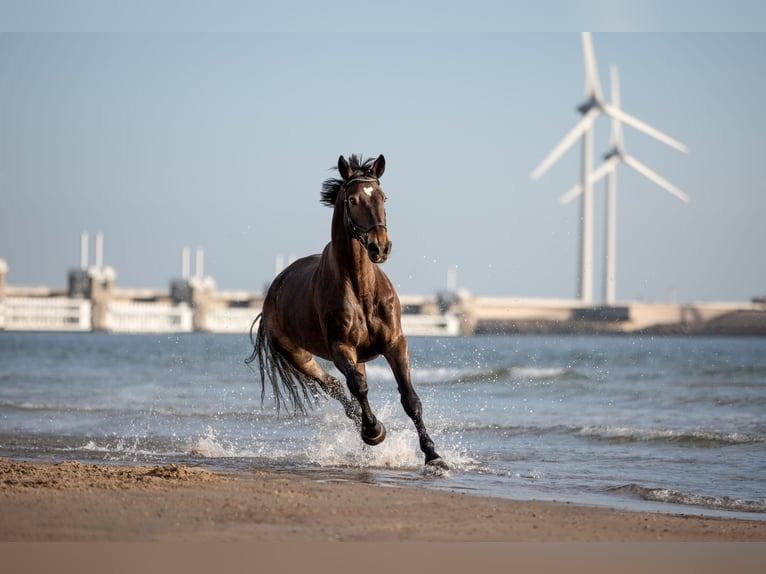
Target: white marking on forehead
pixel 368 190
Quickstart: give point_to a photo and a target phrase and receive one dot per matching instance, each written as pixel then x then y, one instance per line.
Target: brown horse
pixel 341 307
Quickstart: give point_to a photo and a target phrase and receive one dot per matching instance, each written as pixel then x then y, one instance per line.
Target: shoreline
pixel 75 502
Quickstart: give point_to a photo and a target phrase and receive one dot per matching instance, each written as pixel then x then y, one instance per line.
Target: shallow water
pixel 651 423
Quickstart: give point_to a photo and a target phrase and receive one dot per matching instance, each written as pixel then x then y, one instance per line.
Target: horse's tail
pixel 283 376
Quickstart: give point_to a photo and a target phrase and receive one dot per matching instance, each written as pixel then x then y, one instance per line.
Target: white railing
pixel 138 317
pixel 444 325
pixel 45 314
pixel 231 319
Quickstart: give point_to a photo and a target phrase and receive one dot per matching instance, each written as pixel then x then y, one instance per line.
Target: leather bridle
pixel 357 231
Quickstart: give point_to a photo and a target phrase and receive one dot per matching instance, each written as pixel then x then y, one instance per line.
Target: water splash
pixel 210 446
pixel 336 442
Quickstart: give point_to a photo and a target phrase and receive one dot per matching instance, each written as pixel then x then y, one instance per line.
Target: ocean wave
pixel 509 429
pixel 695 438
pixel 437 375
pixel 537 373
pixel 728 373
pixel 671 496
pixel 54 407
pixel 516 374
pixel 214 412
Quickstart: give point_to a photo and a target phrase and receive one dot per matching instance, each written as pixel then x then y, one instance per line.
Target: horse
pixel 341 307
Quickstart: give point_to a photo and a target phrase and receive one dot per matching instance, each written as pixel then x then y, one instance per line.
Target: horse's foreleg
pixel 373 431
pixel 399 361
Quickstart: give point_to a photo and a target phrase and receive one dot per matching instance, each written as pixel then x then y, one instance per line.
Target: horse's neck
pixel 350 261
pixel 352 265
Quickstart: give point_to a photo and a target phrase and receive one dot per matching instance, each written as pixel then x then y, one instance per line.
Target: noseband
pixel 357 231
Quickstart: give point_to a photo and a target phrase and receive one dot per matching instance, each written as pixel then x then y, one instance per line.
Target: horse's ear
pixel 379 166
pixel 344 168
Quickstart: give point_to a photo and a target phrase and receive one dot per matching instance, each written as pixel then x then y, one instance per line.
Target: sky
pixel 165 138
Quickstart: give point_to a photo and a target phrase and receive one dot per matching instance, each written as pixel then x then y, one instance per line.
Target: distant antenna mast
pixel 185 260
pixel 99 251
pixel 199 265
pixel 84 251
pixel 452 279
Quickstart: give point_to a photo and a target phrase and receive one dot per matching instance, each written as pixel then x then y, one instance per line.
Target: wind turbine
pixel 613 157
pixel 593 105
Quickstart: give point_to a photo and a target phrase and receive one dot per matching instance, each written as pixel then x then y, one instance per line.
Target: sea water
pixel 673 424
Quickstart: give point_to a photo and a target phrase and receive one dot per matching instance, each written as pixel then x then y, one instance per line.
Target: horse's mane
pixel 360 167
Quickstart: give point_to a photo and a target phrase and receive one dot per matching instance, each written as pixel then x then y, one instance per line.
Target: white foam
pixel 209 446
pixel 337 443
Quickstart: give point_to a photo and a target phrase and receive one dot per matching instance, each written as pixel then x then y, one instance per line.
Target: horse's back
pixel 288 310
pixel 292 285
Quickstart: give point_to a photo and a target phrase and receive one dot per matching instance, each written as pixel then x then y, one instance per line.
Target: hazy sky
pixel 222 140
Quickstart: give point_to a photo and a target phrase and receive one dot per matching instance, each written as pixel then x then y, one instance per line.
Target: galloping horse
pixel 340 306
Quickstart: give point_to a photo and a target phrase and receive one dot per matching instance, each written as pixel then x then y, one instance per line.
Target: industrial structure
pixel 92 302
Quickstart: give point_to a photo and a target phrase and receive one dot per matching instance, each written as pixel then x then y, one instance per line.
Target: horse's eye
pixel 353 200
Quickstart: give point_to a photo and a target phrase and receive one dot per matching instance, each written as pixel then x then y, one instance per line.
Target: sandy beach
pixel 71 501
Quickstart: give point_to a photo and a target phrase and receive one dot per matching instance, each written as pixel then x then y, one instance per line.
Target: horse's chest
pixel 366 325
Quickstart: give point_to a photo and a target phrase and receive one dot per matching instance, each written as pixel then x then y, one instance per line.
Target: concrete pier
pixel 500 315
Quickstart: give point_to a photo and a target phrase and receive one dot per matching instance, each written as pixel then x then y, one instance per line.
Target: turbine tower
pixel 613 157
pixel 593 105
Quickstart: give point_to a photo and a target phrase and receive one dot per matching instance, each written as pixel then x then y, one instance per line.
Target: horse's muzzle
pixel 378 252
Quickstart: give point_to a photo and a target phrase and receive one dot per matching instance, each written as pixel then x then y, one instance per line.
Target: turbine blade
pixel 592 84
pixel 597 175
pixel 583 125
pixel 649 174
pixel 604 168
pixel 615 80
pixel 616 134
pixel 617 113
pixel 574 192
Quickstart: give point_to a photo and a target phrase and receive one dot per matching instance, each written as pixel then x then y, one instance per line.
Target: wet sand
pixel 71 502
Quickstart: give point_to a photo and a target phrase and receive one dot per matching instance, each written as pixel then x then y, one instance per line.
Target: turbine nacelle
pixel 617 152
pixel 590 104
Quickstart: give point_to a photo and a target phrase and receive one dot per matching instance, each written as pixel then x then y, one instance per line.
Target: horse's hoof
pixel 437 463
pixel 376 436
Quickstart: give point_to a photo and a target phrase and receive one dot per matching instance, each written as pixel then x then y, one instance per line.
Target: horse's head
pixel 363 202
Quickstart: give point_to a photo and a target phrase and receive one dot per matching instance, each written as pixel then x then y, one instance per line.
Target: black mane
pixel 360 167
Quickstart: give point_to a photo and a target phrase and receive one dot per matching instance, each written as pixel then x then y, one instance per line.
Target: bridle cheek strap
pixel 357 231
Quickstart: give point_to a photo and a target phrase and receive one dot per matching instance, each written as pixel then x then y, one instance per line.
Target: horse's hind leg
pixel 305 363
